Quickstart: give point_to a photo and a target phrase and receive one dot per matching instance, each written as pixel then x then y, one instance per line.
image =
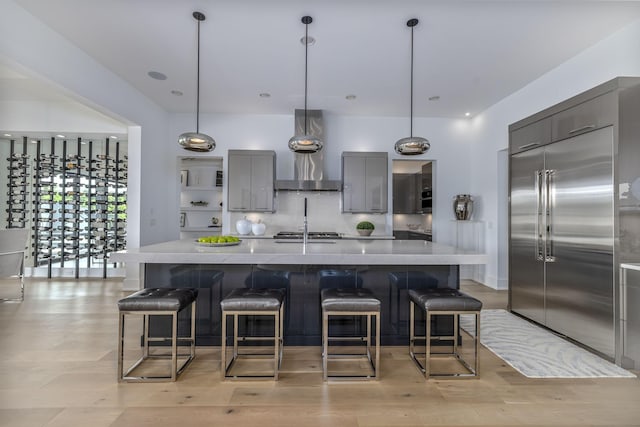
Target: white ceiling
pixel 469 53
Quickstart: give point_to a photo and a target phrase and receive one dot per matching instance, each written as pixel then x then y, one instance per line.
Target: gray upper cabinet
pixel 406 191
pixel 531 136
pixel 585 117
pixel 251 180
pixel 365 181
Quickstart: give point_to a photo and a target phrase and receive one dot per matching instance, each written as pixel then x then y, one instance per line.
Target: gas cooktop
pixel 316 235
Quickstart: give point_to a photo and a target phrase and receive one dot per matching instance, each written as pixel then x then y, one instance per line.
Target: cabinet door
pixel 404 193
pixel 530 136
pixel 375 184
pixel 240 177
pixel 353 177
pixel 364 177
pixel 262 177
pixel 586 117
pixel 579 276
pixel 526 257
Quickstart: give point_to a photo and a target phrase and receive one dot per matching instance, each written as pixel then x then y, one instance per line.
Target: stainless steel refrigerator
pixel 562 237
pixel 572 216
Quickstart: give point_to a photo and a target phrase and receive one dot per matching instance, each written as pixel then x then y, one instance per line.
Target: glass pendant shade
pixel 412 145
pixel 194 141
pixel 305 143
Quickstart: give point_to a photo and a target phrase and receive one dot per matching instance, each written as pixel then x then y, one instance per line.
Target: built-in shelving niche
pixel 72 194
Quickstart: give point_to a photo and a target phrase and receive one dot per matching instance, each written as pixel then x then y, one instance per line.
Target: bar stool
pixel 402 281
pixel 158 302
pixel 350 302
pixel 253 302
pixel 438 302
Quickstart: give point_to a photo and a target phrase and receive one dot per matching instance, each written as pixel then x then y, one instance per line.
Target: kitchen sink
pixel 308 241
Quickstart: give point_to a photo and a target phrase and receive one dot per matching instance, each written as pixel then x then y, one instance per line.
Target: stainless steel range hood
pixel 308 168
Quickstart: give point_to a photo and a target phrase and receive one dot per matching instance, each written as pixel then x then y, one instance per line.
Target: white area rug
pixel 536 352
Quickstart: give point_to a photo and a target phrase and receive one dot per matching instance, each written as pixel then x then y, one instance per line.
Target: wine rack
pixel 17 182
pixel 73 195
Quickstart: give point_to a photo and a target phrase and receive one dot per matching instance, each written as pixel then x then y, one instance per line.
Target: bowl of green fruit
pixel 215 241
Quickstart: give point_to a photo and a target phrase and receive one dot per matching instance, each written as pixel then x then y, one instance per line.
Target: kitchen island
pixel 388 267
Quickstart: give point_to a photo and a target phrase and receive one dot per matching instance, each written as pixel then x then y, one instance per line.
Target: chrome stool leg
pixel 175 369
pixel 360 303
pixel 252 302
pixel 444 302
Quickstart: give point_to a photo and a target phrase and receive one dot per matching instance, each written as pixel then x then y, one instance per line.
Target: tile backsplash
pixel 323 214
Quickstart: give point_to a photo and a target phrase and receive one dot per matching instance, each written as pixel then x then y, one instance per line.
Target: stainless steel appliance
pixel 313 235
pixel 568 227
pixel 308 172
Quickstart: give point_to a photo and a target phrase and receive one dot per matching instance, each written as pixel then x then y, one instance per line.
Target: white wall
pixel 39 52
pixel 27 117
pixel 617 55
pixel 449 149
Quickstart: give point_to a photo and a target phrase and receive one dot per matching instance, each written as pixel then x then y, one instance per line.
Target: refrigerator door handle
pixel 539 215
pixel 548 199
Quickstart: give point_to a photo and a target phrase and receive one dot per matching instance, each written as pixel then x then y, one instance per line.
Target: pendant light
pixel 305 143
pixel 196 141
pixel 412 145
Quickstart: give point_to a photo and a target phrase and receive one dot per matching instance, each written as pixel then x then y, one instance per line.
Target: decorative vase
pixel 366 232
pixel 258 228
pixel 243 226
pixel 463 206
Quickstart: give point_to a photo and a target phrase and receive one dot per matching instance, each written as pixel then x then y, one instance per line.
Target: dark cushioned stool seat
pixel 444 300
pixel 253 300
pixel 158 299
pixel 340 299
pixel 358 302
pixel 158 302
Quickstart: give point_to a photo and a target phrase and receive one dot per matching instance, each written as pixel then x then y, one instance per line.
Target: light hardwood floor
pixel 58 368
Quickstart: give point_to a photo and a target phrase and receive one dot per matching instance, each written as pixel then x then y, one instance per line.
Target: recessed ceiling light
pixel 308 40
pixel 7 134
pixel 467 114
pixel 176 93
pixel 434 98
pixel 350 97
pixel 265 95
pixel 157 75
pixel 59 136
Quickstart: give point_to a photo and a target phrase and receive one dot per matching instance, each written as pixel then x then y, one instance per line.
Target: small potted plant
pixel 365 228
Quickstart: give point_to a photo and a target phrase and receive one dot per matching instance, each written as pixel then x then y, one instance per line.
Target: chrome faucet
pixel 305 231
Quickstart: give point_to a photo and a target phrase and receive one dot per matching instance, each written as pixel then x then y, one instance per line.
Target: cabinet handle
pixel 539 204
pixel 582 128
pixel 549 257
pixel 531 144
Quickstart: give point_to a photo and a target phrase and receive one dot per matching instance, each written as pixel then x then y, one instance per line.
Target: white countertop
pixel 268 251
pixel 630 265
pixel 344 236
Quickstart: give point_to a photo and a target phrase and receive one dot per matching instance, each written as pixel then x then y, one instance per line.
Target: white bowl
pixel 258 228
pixel 243 226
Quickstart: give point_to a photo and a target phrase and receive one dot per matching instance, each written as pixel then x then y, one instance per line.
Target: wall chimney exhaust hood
pixel 308 168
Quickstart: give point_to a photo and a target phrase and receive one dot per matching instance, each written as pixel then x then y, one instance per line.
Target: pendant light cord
pixel 411 108
pixel 198 85
pixel 306 55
